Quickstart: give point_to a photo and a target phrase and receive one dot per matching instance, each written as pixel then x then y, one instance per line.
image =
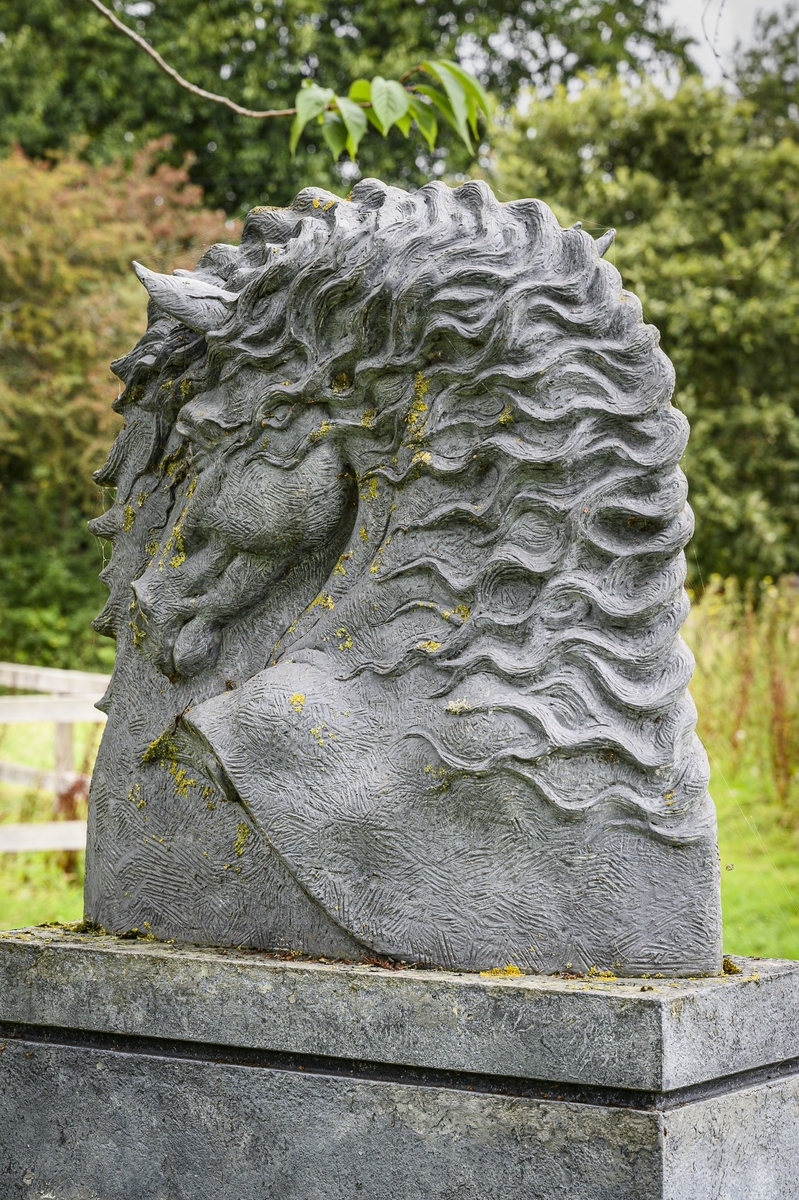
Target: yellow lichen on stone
pixel 323 600
pixel 179 557
pixel 440 777
pixel 422 456
pixel 368 489
pixel 363 534
pixel 161 748
pixel 463 611
pixel 329 204
pixel 421 386
pixel 142 496
pixel 297 701
pixel 368 418
pixel 323 429
pixel 242 833
pixel 138 634
pixel 341 382
pixel 339 568
pixel 130 517
pixel 346 638
pixel 456 707
pixel 316 202
pixel 182 780
pixel 174 463
pixel 175 542
pixel 416 418
pixel 506 416
pixel 504 972
pixel 598 973
pixel 430 646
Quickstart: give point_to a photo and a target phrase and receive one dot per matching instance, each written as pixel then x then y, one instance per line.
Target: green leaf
pixel 442 104
pixel 334 131
pixel 310 101
pixel 404 123
pixel 389 101
pixel 457 81
pixel 470 85
pixel 360 90
pixel 354 118
pixel 425 118
pixel 456 96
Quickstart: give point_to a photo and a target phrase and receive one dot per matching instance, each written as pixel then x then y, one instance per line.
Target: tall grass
pixel 746 685
pixel 746 688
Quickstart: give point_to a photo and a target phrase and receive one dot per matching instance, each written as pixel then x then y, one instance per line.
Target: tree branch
pixel 184 83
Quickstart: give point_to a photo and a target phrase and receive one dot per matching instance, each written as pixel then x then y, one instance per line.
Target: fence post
pixel 64 761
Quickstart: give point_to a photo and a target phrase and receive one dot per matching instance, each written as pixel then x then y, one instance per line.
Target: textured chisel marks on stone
pixel 397 585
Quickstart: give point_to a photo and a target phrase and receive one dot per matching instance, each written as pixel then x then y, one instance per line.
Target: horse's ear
pixel 200 305
pixel 605 242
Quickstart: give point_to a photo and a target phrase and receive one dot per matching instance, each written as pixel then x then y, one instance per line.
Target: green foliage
pixel 385 103
pixel 67 74
pixel 704 189
pixel 69 304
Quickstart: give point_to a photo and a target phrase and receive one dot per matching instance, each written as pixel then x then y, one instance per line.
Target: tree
pixel 69 303
pixel 767 72
pixel 704 188
pixel 65 74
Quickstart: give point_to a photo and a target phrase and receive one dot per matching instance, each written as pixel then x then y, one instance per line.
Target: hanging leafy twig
pixel 380 102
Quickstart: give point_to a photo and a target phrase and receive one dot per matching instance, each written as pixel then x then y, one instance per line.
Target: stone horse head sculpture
pixel 397 585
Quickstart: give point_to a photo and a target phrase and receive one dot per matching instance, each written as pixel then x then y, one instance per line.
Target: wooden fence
pixel 65 698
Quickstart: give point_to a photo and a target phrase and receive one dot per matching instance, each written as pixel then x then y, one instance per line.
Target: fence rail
pixel 64 710
pixel 35 777
pixel 24 678
pixel 43 835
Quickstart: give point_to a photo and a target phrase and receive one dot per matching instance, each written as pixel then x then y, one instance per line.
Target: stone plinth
pixel 135 1070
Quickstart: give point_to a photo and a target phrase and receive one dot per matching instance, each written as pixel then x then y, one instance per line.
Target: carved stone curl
pixel 397 585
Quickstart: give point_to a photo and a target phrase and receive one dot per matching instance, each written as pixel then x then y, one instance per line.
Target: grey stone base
pixel 141 1071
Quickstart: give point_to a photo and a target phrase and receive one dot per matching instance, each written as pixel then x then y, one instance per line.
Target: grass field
pixel 746 687
pixel 39 887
